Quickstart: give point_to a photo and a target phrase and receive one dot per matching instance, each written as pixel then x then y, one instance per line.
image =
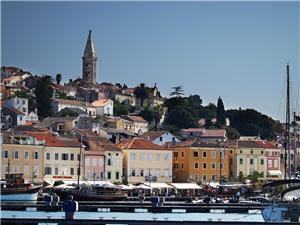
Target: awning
pixel 186 186
pixel 124 187
pixel 274 173
pixel 143 186
pixel 102 183
pixel 159 185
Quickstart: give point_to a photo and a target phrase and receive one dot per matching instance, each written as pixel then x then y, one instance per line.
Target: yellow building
pixel 144 161
pixel 198 161
pixel 23 154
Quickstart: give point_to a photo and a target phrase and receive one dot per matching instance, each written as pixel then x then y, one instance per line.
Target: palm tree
pixel 58 78
pixel 141 92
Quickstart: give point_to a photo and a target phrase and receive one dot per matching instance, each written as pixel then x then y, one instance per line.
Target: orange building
pixel 198 161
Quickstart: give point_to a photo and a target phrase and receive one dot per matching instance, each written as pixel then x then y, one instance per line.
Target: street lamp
pixel 94 176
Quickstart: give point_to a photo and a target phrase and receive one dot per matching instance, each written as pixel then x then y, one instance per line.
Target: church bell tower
pixel 89 61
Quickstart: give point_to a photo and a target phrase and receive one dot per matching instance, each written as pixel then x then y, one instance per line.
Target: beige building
pixel 61 156
pixel 144 161
pixel 135 124
pixel 23 154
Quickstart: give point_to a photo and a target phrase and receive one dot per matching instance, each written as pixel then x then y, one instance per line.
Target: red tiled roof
pixel 248 144
pixel 266 144
pixel 69 102
pixel 139 143
pixel 101 102
pixel 152 135
pixel 53 141
pixel 214 133
pixel 136 119
pixel 11 109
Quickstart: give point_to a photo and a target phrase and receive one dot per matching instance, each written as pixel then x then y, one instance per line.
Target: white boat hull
pixel 19 197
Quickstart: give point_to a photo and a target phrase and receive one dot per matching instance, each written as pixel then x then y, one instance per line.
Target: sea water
pixel 214 215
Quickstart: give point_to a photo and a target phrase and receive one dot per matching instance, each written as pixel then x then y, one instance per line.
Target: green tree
pixel 177 91
pixel 122 108
pixel 58 78
pixel 232 133
pixel 254 176
pixel 181 118
pixel 43 93
pixel 220 113
pixel 141 93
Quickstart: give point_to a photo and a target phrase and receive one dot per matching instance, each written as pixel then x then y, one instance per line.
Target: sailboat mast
pixel 287 123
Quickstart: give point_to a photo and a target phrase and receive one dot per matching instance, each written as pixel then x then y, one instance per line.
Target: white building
pixel 135 124
pixel 18 103
pixel 160 137
pixel 104 107
pixel 59 104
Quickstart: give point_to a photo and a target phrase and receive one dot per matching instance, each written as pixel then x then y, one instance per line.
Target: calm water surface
pixel 253 215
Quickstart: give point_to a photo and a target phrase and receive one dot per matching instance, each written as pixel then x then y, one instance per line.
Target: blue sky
pixel 236 50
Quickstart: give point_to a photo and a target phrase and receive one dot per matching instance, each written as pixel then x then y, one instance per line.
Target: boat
pixel 90 192
pixel 14 188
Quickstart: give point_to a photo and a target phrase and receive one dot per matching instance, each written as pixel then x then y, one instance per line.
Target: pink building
pixel 273 160
pixel 94 165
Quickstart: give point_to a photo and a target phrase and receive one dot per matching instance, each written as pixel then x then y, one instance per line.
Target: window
pixel 109 162
pixel 16 154
pixel 18 101
pixel 132 156
pixel 94 162
pixel 24 110
pixel 23 102
pixel 48 171
pixel 87 162
pixel 166 173
pixel 276 163
pixel 109 175
pixel 72 157
pixel 48 156
pixel 241 151
pixel 26 155
pixel 175 165
pixel 269 153
pixel 117 154
pixel 213 154
pixel 204 177
pixel 262 162
pixel 213 177
pixel 117 175
pixel 142 156
pixel 182 154
pixel 56 156
pixel 166 156
pixel 141 172
pixel 204 154
pixel 158 157
pixel 16 169
pixel 173 139
pixel 6 154
pixel 195 153
pixel 175 154
pixel 269 163
pixel 204 165
pixel 182 165
pixel 64 156
pixel 276 153
pixel 251 161
pixel 36 170
pixel 56 171
pixel 196 165
pixel 241 161
pixel 213 166
pixel 222 166
pixel 36 155
pixel 21 118
pixel 133 173
pixel 251 152
pixel 160 138
pixel 196 177
pixel 262 152
pixel 71 171
pixel 26 170
pixel 157 172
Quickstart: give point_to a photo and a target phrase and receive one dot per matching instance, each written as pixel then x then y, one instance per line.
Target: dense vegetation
pixel 184 112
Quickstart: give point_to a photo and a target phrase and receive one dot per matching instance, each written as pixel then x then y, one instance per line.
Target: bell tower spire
pixel 89 61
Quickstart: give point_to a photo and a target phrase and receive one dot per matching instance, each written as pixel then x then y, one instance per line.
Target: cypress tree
pixel 220 113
